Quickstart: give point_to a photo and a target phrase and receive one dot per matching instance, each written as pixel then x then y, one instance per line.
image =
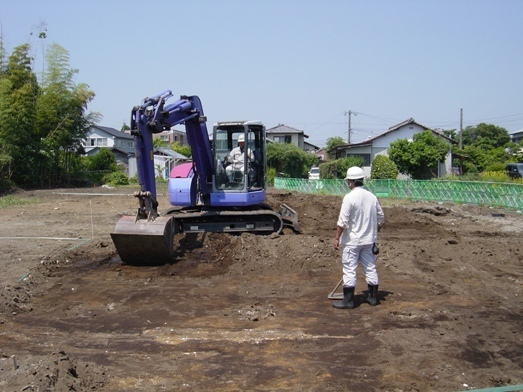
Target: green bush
pixel 271 174
pixel 104 160
pixel 486 176
pixel 289 159
pixel 338 168
pixel 5 185
pixel 494 176
pixel 383 168
pixel 470 168
pixel 116 178
pixel 96 177
pixel 496 167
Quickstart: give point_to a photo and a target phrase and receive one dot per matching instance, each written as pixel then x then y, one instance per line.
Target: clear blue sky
pixel 302 63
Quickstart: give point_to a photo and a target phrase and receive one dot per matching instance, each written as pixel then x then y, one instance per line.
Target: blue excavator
pixel 217 192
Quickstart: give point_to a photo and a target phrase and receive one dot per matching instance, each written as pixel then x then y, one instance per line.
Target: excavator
pixel 213 193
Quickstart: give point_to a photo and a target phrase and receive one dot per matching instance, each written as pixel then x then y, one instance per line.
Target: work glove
pixel 375 249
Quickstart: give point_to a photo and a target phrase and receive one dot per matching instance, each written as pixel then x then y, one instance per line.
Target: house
pixel 517 136
pixel 172 136
pixel 164 161
pixel 321 154
pixel 122 146
pixel 285 134
pixel 99 136
pixel 120 143
pixel 373 146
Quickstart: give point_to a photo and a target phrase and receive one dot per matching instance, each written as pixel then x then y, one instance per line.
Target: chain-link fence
pixel 494 194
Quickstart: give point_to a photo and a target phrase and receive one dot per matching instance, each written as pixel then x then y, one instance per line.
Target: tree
pixel 383 168
pixel 41 126
pixel 419 158
pixel 485 146
pixel 3 55
pixel 184 150
pixel 18 93
pixel 485 136
pixel 452 133
pixel 61 120
pixel 333 142
pixel 103 161
pixel 157 142
pixel 289 159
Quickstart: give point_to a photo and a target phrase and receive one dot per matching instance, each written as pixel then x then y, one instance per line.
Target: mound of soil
pixel 253 312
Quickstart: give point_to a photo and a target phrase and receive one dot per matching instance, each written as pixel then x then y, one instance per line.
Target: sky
pixel 302 63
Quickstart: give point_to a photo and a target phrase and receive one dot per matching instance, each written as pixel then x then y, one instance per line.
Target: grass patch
pixel 12 200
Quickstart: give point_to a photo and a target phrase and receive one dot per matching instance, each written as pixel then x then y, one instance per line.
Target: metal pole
pixel 350 113
pixel 460 129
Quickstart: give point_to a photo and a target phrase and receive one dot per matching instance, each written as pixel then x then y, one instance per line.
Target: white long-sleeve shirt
pixel 236 158
pixel 360 215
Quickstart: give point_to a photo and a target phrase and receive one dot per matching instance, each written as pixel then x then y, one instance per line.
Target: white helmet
pixel 241 138
pixel 354 173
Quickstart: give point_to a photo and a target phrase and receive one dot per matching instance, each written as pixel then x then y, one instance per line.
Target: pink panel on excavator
pixel 181 171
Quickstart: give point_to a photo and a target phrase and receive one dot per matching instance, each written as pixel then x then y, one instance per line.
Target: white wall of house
pixel 98 138
pixel 406 132
pixel 296 139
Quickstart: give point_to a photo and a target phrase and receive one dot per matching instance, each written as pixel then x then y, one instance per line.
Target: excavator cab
pixel 239 156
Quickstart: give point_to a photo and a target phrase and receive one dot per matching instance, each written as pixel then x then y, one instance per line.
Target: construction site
pixel 251 312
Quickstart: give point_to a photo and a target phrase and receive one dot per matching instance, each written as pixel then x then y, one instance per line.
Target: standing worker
pixel 361 216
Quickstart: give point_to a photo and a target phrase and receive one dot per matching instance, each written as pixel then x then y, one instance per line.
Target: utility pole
pixel 460 129
pixel 461 140
pixel 349 113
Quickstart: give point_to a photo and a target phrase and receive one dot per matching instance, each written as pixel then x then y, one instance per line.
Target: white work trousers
pixel 351 255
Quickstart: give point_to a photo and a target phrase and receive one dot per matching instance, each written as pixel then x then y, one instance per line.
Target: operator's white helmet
pixel 354 173
pixel 241 138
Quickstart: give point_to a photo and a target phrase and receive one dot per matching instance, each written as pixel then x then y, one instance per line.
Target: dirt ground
pixel 252 313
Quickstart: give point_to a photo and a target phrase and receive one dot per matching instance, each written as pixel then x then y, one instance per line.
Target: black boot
pixel 348 299
pixel 372 297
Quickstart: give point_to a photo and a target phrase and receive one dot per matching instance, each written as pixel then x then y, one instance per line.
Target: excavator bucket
pixel 144 242
pixel 290 218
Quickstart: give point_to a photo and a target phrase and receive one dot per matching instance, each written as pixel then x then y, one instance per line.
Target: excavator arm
pixel 155 116
pixel 148 237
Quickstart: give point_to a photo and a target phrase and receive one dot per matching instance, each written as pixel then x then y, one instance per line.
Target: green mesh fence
pixel 482 193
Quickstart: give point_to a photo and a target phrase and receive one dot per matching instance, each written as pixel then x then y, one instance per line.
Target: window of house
pixel 283 139
pixel 98 142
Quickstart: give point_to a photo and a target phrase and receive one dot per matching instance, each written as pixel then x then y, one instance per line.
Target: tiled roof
pixel 281 128
pixel 113 132
pixel 406 122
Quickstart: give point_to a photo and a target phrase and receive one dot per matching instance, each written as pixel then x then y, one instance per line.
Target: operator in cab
pixel 236 158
